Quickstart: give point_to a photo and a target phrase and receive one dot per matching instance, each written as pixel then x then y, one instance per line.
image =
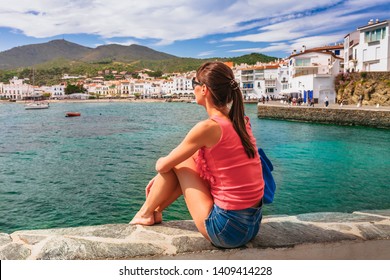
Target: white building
pixel 283 76
pixel 57 91
pixel 182 85
pixel 351 48
pixel 368 48
pixel 167 87
pixel 312 72
pixel 258 81
pixel 16 89
pixel 374 51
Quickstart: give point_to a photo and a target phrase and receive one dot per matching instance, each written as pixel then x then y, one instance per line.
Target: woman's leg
pixel 164 192
pixel 196 193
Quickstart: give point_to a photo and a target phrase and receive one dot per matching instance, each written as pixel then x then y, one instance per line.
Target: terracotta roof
pixel 262 67
pixel 316 51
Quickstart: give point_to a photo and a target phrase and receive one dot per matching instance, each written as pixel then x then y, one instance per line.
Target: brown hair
pixel 219 79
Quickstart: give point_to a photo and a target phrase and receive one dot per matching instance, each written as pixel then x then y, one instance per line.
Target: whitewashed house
pixel 182 85
pixel 368 48
pixel 351 48
pixel 16 89
pixel 124 88
pixel 139 87
pixel 374 47
pixel 167 87
pixel 282 80
pixel 312 72
pixel 57 91
pixel 259 81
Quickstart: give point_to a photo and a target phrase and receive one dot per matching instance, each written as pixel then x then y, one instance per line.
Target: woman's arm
pixel 206 133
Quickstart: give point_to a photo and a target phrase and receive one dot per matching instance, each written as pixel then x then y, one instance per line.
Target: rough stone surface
pixel 4 239
pixel 14 252
pixel 329 217
pixel 341 116
pixel 327 233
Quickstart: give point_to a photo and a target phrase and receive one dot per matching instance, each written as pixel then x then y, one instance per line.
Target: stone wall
pixel 340 116
pixel 360 235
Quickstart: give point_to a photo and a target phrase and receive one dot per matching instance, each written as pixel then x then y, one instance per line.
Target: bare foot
pixel 157 217
pixel 142 220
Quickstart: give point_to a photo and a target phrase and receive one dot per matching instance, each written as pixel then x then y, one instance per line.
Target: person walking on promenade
pixel 326 101
pixel 216 167
pixel 360 102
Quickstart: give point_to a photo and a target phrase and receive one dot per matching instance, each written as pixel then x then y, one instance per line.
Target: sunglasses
pixel 195 83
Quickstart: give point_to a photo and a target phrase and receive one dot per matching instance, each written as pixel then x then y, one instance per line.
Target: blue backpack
pixel 269 182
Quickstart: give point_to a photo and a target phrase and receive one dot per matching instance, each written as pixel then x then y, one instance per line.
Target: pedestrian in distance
pixel 216 167
pixel 360 102
pixel 326 101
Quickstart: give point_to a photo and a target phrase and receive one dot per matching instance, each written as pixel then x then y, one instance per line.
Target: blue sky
pixel 186 28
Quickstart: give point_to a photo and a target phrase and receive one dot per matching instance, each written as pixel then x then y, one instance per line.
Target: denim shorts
pixel 233 228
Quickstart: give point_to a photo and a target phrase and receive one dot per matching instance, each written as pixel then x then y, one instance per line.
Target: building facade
pixel 17 89
pixel 368 48
pixel 312 73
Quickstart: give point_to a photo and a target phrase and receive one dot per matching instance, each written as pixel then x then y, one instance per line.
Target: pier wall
pixel 363 235
pixel 340 116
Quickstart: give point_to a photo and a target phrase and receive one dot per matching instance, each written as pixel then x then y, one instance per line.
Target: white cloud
pixel 167 21
pixel 206 53
pixel 123 43
pixel 301 25
pixel 225 45
pixel 271 48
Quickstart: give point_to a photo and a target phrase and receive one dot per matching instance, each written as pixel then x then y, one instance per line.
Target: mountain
pixel 53 59
pixel 38 53
pixel 34 54
pixel 122 53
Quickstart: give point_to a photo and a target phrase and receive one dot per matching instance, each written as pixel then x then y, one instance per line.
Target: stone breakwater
pixel 359 235
pixel 371 117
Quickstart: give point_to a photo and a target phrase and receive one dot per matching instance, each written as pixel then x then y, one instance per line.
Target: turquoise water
pixel 62 172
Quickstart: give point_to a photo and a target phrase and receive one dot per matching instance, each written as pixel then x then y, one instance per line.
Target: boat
pixel 72 114
pixel 36 105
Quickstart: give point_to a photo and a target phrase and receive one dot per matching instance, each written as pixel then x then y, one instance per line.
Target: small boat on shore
pixel 36 105
pixel 73 114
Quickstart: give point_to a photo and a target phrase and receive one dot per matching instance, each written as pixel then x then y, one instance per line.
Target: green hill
pixel 53 59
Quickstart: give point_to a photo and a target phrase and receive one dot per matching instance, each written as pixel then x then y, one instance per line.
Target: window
pixel 302 62
pixel 374 35
pixel 377 53
pixel 337 52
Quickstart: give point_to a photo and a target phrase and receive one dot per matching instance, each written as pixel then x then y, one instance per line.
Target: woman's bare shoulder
pixel 207 124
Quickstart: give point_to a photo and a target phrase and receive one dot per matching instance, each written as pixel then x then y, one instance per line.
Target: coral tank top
pixel 236 181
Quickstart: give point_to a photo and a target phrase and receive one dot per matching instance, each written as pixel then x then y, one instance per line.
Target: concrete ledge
pixel 360 235
pixel 379 118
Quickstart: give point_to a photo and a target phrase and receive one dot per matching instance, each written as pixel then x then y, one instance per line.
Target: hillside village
pixel 306 73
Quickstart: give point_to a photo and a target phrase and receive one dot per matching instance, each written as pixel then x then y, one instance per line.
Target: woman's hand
pixel 149 186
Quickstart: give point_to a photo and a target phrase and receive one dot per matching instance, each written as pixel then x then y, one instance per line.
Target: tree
pixel 74 89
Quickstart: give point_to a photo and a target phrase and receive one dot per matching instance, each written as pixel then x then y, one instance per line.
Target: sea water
pixel 88 170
